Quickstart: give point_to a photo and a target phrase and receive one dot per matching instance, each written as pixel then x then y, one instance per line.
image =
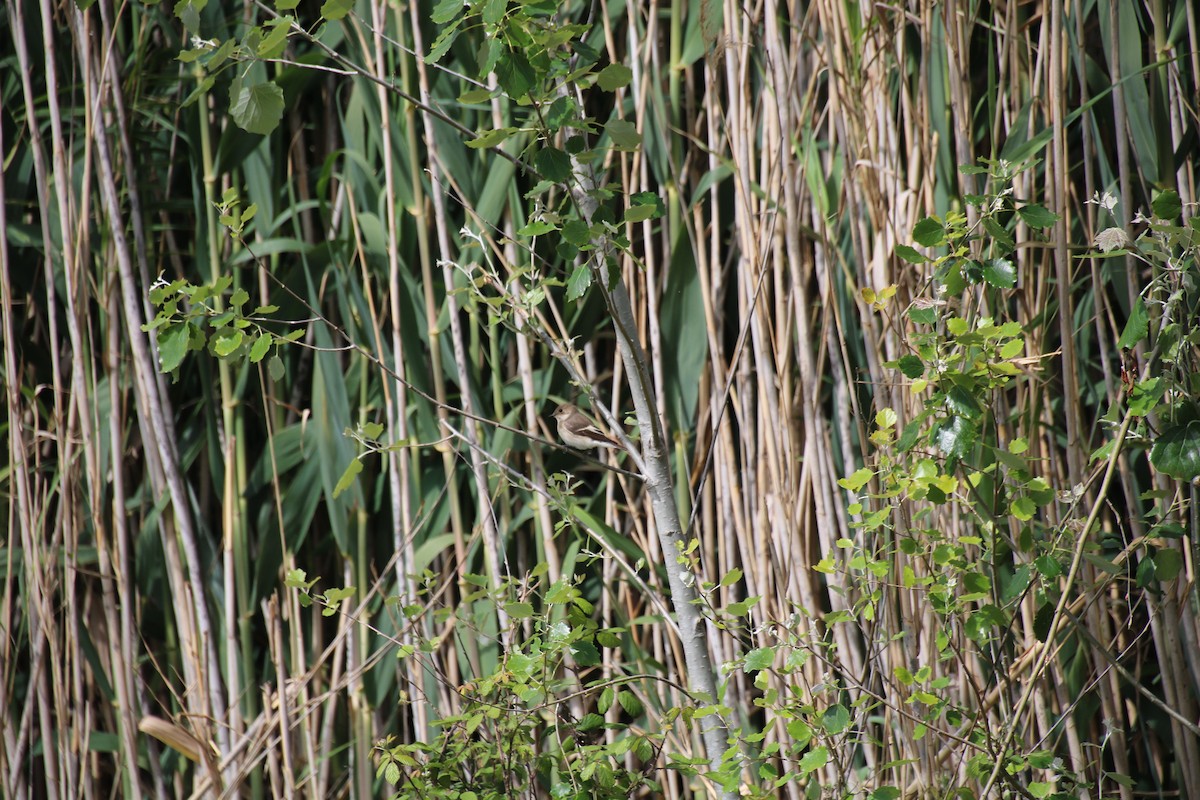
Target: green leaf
pixel 1000 272
pixel 275 367
pixel 639 213
pixel 911 366
pixel 474 96
pixel 536 228
pixel 910 254
pixel 445 10
pixel 172 346
pixel 1168 563
pixel 1166 205
pixel 347 479
pixel 1037 217
pixel 613 77
pixel 1136 327
pixel 1146 395
pixel 576 232
pixel 333 10
pixel 814 759
pixel 624 135
pixel 553 164
pixel 856 481
pixel 758 659
pixel 260 348
pixel 956 437
pixel 514 74
pixel 836 718
pixel 519 610
pixel 441 45
pixel 258 108
pixel 929 232
pixel 1023 508
pixel 490 138
pixel 227 341
pixel 580 282
pixel 1177 451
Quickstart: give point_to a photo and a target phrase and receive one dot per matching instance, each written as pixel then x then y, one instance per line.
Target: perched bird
pixel 577 431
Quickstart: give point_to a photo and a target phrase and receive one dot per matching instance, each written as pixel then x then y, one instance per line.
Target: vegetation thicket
pixel 891 308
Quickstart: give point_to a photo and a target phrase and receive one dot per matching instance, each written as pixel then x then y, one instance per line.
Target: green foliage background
pixel 367 221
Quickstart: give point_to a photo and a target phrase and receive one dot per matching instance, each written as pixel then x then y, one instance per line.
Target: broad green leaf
pixel 1177 451
pixel 441 45
pixel 956 437
pixel 258 108
pixel 580 281
pixel 911 366
pixel 172 346
pixel 514 74
pixel 624 135
pixel 1036 216
pixel 490 138
pixel 758 659
pixel 813 760
pixel 1168 563
pixel 445 10
pixel 929 232
pixel 1167 205
pixel 856 481
pixel 260 348
pixel 910 254
pixel 333 10
pixel 1136 327
pixel 553 164
pixel 836 718
pixel 639 213
pixel 1023 508
pixel 613 77
pixel 1000 272
pixel 347 479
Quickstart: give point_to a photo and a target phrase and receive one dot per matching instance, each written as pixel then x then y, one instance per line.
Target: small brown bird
pixel 577 431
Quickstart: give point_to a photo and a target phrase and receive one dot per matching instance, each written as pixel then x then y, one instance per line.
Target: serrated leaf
pixel 172 346
pixel 258 108
pixel 441 45
pixel 519 610
pixel 553 164
pixel 576 232
pixel 910 254
pixel 1136 327
pixel 1036 216
pixel 1000 272
pixel 347 479
pixel 445 10
pixel 1023 508
pixel 1168 563
pixel 929 232
pixel 813 760
pixel 490 138
pixel 758 659
pixel 259 349
pixel 856 481
pixel 1177 451
pixel 333 10
pixel 624 135
pixel 836 718
pixel 956 437
pixel 579 282
pixel 514 74
pixel 1167 205
pixel 536 228
pixel 911 366
pixel 613 77
pixel 474 96
pixel 227 342
pixel 639 213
